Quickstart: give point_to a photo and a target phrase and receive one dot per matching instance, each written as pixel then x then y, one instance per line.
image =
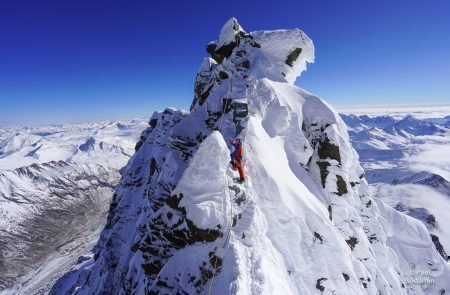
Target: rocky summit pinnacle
pixel 304 222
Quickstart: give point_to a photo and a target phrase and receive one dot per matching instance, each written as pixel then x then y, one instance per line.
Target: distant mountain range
pixel 383 142
pixel 56 184
pixel 389 150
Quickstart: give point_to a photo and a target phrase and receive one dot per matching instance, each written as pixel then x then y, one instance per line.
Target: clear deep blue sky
pixel 85 60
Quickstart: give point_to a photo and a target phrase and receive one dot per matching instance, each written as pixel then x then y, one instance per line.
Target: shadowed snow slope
pixel 304 222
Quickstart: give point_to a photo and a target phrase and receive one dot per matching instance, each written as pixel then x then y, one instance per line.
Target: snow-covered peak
pixel 303 222
pixel 229 31
pixel 386 124
pixel 107 143
pixel 238 58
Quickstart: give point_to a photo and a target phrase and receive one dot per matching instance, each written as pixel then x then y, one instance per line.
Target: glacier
pixel 304 221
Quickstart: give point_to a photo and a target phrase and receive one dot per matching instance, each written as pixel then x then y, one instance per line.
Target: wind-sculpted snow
pixel 304 222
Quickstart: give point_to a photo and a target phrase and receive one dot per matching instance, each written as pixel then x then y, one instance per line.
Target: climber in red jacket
pixel 236 158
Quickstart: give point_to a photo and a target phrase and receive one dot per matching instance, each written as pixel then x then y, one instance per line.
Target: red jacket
pixel 237 153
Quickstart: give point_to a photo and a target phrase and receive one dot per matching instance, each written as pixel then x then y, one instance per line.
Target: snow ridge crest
pixel 304 221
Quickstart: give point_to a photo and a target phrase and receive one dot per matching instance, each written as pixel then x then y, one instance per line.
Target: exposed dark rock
pixel 255 44
pixel 241 53
pixel 179 235
pixel 244 35
pixel 223 75
pixel 245 64
pixel 240 112
pixel 352 241
pixel 185 146
pixel 330 212
pixel 133 182
pixel 153 166
pixel 226 105
pixel 346 277
pixel 153 123
pixel 211 48
pixel 373 238
pixel 212 119
pixel 317 236
pixel 341 186
pixel 292 57
pixel 139 144
pixel 152 269
pixel 174 201
pixel 199 87
pixel 329 150
pixel 225 50
pixel 319 284
pixel 205 95
pixel 200 137
pixel 236 26
pixel 323 167
pixel 240 196
pixel 207 271
pixel 439 246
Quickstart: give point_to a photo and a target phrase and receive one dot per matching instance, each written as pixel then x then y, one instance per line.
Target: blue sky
pixel 65 61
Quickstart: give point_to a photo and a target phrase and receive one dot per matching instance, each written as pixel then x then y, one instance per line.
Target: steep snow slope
pixel 304 222
pixel 52 209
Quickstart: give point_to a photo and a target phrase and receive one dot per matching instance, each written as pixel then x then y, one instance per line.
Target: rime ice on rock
pixel 304 222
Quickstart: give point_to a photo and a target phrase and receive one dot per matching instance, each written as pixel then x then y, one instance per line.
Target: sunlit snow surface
pixel 406 157
pixel 56 183
pixel 98 141
pixel 304 222
pixel 434 112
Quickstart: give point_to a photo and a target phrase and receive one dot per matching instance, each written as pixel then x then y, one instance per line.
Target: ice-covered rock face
pixel 238 56
pixel 304 222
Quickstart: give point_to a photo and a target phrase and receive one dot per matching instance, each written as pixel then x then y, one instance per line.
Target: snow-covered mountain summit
pixel 304 222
